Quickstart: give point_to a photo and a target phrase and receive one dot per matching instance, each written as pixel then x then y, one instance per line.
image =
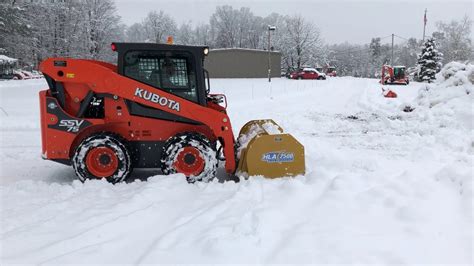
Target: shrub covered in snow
pixel 455 80
pixel 456 69
pixel 449 100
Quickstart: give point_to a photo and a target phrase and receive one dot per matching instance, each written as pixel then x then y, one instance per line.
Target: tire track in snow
pixel 220 206
pixel 47 261
pixel 76 235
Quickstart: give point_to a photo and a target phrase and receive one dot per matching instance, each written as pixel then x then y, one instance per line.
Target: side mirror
pixel 206 76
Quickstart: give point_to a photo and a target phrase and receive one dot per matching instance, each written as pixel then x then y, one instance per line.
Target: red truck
pixel 328 70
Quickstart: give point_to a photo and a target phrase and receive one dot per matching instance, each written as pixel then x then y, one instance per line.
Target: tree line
pixel 32 30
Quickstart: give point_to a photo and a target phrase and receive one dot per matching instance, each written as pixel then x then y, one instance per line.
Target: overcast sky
pixel 338 20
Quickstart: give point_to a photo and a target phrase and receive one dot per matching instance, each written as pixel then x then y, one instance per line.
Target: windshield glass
pixel 399 72
pixel 165 70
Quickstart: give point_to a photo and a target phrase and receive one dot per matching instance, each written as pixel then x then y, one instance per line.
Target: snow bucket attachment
pixel 389 93
pixel 264 149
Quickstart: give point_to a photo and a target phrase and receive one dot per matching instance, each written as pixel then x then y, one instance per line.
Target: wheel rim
pixel 189 162
pixel 102 162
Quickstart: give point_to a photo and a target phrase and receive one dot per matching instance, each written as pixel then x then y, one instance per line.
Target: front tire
pixel 191 154
pixel 102 155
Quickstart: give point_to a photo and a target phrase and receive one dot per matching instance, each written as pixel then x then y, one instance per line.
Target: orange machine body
pixel 394 75
pixel 63 128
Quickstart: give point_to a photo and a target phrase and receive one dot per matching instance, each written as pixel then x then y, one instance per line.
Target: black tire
pixel 115 146
pixel 170 160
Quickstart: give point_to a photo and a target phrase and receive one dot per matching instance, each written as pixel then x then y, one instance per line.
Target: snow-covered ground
pixel 381 186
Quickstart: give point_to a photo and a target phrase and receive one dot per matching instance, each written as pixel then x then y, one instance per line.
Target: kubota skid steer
pixel 152 110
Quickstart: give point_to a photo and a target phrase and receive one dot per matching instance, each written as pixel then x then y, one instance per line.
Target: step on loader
pixel 153 110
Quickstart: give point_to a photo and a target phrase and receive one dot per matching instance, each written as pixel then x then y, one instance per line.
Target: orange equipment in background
pixel 394 75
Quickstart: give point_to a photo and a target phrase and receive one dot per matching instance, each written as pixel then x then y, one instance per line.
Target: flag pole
pixel 424 24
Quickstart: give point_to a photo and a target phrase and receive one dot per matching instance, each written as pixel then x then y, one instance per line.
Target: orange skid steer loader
pixel 153 110
pixel 394 75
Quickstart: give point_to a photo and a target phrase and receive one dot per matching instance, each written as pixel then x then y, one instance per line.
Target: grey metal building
pixel 242 63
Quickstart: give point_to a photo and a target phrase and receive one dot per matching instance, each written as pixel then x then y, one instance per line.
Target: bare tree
pixel 454 39
pixel 299 41
pixel 244 25
pixel 158 26
pixel 185 34
pixel 256 32
pixel 100 24
pixel 203 35
pixel 136 33
pixel 224 23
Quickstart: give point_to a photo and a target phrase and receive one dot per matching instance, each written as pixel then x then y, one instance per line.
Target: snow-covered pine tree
pixel 429 61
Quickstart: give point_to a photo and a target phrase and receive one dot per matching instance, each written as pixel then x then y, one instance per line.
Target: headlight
pixel 206 51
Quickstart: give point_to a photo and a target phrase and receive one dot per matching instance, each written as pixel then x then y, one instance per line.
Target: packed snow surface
pixel 382 185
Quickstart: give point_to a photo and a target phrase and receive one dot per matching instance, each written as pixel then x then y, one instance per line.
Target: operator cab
pixel 177 69
pixel 399 72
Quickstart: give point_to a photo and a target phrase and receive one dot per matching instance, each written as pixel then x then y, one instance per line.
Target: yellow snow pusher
pixel 264 149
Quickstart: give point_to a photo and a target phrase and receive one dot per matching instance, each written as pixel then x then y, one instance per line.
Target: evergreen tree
pixel 429 61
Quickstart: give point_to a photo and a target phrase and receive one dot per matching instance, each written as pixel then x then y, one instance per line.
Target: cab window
pixel 170 71
pixel 398 72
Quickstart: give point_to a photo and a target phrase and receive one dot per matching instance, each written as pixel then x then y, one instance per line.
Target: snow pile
pixel 451 69
pixel 447 104
pixel 451 94
pixel 244 139
pixel 271 128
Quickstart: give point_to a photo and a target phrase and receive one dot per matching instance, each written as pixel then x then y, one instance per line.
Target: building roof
pixel 241 49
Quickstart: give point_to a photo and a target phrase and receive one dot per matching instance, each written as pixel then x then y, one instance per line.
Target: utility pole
pixel 269 58
pixel 270 29
pixel 424 24
pixel 391 61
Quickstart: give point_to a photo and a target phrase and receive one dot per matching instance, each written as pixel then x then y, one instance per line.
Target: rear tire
pixel 102 155
pixel 191 154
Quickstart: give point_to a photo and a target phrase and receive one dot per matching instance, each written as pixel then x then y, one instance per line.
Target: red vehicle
pixel 28 74
pixel 394 75
pixel 151 110
pixel 307 73
pixel 328 70
pixel 17 74
pixel 331 71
